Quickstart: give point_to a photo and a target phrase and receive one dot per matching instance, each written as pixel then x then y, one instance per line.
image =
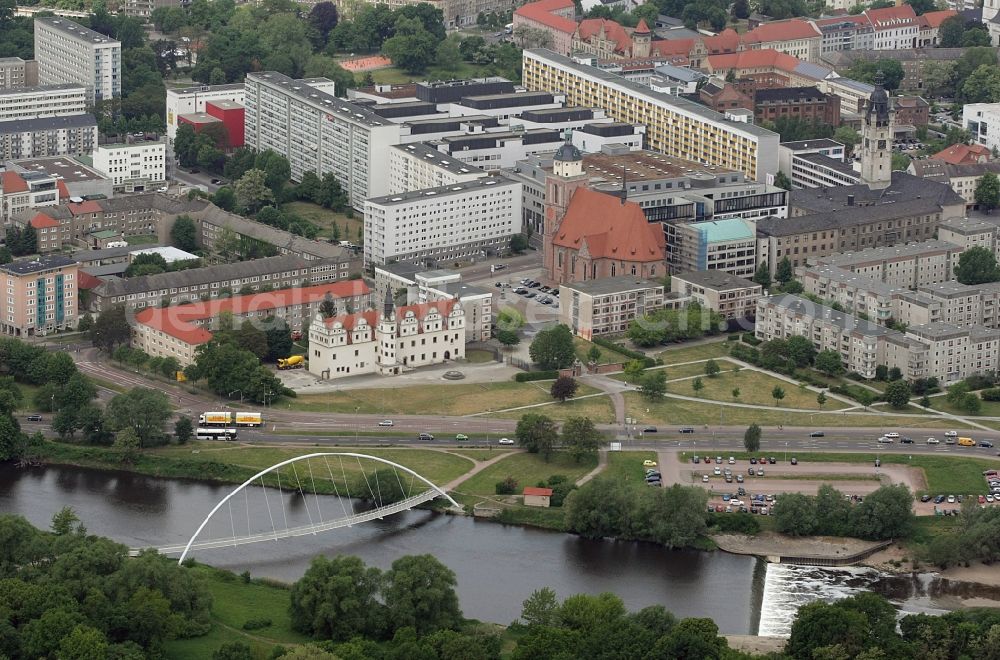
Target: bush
pixel 257 624
pixel 507 487
pixel 745 353
pixel 527 376
pixel 647 361
pixel 991 395
pixel 733 338
pixel 748 338
pixel 741 523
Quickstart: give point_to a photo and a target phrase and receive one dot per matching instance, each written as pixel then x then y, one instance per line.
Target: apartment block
pixel 73 135
pixel 42 101
pixel 16 73
pixel 982 231
pixel 728 246
pixel 418 165
pixel 963 178
pixel 41 296
pixel 674 126
pixel 132 167
pixel 67 52
pixel 319 132
pixel 947 352
pixel 599 308
pixel 190 100
pixel 733 297
pixel 144 8
pixel 908 266
pixel 455 222
pixel 178 331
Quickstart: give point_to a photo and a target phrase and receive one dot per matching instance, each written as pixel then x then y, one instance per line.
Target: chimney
pixel 850 200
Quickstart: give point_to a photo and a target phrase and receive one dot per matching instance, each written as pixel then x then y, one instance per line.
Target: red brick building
pixel 724 97
pixel 806 103
pixel 912 111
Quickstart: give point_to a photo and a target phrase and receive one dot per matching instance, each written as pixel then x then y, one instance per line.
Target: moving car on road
pixel 933 441
pixel 461 437
pixel 816 434
pixel 385 422
pixel 505 441
pixel 425 436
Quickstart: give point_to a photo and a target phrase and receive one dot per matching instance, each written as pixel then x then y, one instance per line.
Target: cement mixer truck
pixel 293 362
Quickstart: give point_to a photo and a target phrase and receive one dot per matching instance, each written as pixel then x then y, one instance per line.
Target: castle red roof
pixel 727 41
pixel 642 27
pixel 753 59
pixel 891 17
pixel 12 183
pixel 179 321
pixel 613 31
pixel 781 31
pixel 671 47
pixel 934 19
pixel 42 221
pixel 371 317
pixel 609 228
pixel 541 12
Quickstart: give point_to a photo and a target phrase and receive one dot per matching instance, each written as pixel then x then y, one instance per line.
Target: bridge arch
pixel 305 457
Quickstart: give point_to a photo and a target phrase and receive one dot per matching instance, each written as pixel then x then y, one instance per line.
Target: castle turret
pixel 642 39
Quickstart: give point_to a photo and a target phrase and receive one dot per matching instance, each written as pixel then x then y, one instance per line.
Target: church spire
pixel 624 192
pixel 388 308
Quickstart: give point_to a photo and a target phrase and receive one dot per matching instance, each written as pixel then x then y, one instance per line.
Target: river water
pixel 497 566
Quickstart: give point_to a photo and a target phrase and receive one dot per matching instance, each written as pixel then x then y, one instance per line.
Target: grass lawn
pixel 450 399
pixel 144 239
pixel 477 356
pixel 582 346
pixel 909 410
pixel 989 409
pixel 528 470
pixel 598 408
pixel 755 388
pixel 27 397
pixel 684 353
pixel 677 412
pixel 479 454
pixel 395 76
pixel 234 602
pixel 626 466
pixel 439 467
pixel 325 218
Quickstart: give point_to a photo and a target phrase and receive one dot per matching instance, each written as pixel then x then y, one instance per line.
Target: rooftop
pixel 823 160
pixel 314 97
pixel 731 229
pixel 610 228
pixel 202 89
pixel 75 30
pixel 952 289
pixel 63 167
pixel 429 154
pixel 852 279
pixel 169 253
pixel 37 265
pixel 129 145
pixel 609 285
pixel 43 89
pixel 47 123
pixel 842 320
pixel 819 143
pixel 674 102
pixel 716 279
pixel 846 216
pixel 937 330
pixel 788 94
pixel 882 254
pixel 903 188
pixel 442 191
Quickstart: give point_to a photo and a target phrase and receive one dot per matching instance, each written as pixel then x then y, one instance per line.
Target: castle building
pixel 876 137
pixel 386 343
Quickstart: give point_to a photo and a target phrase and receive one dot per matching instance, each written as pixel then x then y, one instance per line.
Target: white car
pixel 505 441
pixel 892 434
pixel 885 439
pixel 951 434
pixel 717 471
pixel 732 460
pixel 736 502
pixel 704 478
pixel 385 422
pixel 951 499
pixel 933 441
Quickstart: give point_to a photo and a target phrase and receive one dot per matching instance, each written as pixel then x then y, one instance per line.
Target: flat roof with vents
pixel 443 191
pixel 302 90
pixel 68 169
pixel 75 30
pixel 429 154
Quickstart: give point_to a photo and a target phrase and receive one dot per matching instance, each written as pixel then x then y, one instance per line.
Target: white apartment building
pixel 733 297
pixel 73 135
pixel 607 306
pixel 14 72
pixel 417 165
pixel 896 28
pixel 132 167
pixel 908 266
pixel 462 221
pixel 42 101
pixel 67 52
pixel 193 99
pixel 318 132
pixel 947 352
pixel 978 118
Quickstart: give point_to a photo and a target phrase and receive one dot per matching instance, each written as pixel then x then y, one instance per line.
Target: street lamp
pixel 356 423
pixel 786 451
pixel 487 420
pixel 230 395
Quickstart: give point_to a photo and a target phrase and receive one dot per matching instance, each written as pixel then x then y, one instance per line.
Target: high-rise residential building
pixel 42 101
pixel 419 165
pixel 41 296
pixel 674 126
pixel 195 99
pixel 67 52
pixel 318 132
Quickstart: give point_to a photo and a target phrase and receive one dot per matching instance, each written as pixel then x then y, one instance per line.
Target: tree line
pixel 886 513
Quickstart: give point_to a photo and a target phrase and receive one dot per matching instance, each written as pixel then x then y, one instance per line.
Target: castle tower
pixel 876 137
pixel 642 38
pixel 386 336
pixel 567 176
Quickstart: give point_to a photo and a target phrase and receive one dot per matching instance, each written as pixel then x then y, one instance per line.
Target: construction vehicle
pixel 293 362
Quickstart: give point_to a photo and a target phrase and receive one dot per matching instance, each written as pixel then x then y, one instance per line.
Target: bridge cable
pixel 232 521
pixel 283 514
pixel 347 486
pixel 268 505
pixel 246 501
pixel 335 489
pixel 367 483
pixel 403 492
pixel 319 511
pixel 303 494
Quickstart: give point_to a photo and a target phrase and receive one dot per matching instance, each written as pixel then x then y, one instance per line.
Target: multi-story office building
pixel 417 165
pixel 191 100
pixel 733 297
pixel 460 221
pixel 72 135
pixel 729 246
pixel 816 164
pixel 132 167
pixel 496 151
pixel 42 101
pixel 674 126
pixel 598 308
pixel 67 52
pixel 178 331
pixel 15 73
pixel 41 296
pixel 318 132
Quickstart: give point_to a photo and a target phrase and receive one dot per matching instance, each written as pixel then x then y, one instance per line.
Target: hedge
pixel 526 376
pixel 647 361
pixel 991 394
pixel 749 338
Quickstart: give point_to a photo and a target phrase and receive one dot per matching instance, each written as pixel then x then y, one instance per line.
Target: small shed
pixel 537 496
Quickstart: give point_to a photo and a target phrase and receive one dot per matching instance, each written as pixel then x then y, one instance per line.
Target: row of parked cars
pixel 544 295
pixel 757 504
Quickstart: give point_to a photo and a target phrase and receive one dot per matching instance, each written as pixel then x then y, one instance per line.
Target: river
pixel 497 566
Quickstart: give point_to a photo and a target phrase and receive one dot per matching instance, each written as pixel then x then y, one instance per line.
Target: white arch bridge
pixel 280 528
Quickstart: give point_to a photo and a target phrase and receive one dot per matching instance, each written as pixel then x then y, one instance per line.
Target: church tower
pixel 567 175
pixel 386 336
pixel 876 137
pixel 642 39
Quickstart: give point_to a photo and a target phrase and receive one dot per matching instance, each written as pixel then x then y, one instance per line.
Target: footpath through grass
pixel 528 470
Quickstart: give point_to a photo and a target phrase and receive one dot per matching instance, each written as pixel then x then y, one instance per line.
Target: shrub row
pixel 647 361
pixel 526 376
pixel 749 338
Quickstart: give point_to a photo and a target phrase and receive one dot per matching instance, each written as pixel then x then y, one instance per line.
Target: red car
pixel 719 508
pixel 296 336
pixel 982 499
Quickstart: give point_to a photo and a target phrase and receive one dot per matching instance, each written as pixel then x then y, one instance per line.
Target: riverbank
pixel 773 546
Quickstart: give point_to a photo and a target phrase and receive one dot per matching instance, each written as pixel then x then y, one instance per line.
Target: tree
pixel 537 433
pixel 337 599
pixel 602 508
pixel 897 394
pixel 832 512
pixel 184 234
pixel 712 369
pixel 865 70
pixel 654 385
pixel 508 337
pixel 323 17
pixel 781 180
pixel 518 243
pixel 141 410
pixel 783 273
pixel 252 191
pixel 777 394
pixel 594 355
pixel 127 444
pixel 83 643
pixel 447 57
pixel 829 362
pixel 848 137
pixel 581 437
pixel 982 85
pixel 412 48
pixel 328 308
pixel 884 514
pixel 977 265
pixel 227 245
pixel 279 339
pixel 970 404
pixel 979 37
pixel 564 388
pixel 697 385
pixel 634 370
pixel 796 515
pixel 540 608
pixel 65 522
pixel 553 348
pixel 987 193
pixel 751 438
pixel 763 275
pixel 225 198
pixel 736 393
pixel 233 651
pixel 111 329
pixel 741 9
pixel 951 31
pixel 821 399
pixel 183 429
pixel 419 592
pixel 800 351
pixel 922 6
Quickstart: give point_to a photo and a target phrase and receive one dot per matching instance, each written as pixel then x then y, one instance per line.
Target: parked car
pixel 927 498
pixel 695 460
pixel 939 499
pixel 772 460
pixel 648 463
pixel 794 461
pixel 753 461
pixel 717 471
pixel 505 441
pixel 739 478
pixel 752 472
pixel 951 499
pixel 704 478
pixel 760 472
pixel 34 418
pixel 534 285
pixel 732 460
